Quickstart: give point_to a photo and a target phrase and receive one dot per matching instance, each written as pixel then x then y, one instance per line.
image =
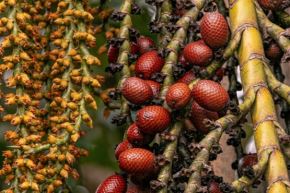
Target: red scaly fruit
pixel 113 184
pixel 178 95
pixel 248 160
pixel 136 90
pixel 137 161
pixel 210 95
pixel 198 53
pixel 273 52
pixel 271 4
pixel 197 116
pixel 220 73
pixel 136 137
pixel 155 86
pixel 123 146
pixel 214 29
pixel 113 52
pixel 152 119
pixel 214 188
pixel 148 64
pixel 145 44
pixel 187 78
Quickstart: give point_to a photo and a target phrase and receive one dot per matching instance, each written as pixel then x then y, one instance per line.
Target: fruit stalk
pixel 214 137
pixel 275 31
pixel 166 9
pixel 250 55
pixel 283 17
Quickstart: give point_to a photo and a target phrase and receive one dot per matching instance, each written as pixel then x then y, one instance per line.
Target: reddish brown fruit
pixel 214 188
pixel 145 44
pixel 121 147
pixel 273 52
pixel 155 86
pixel 148 64
pixel 137 161
pixel 248 160
pixel 199 114
pixel 178 95
pixel 136 90
pixel 187 78
pixel 214 29
pixel 220 73
pixel 136 137
pixel 198 53
pixel 183 61
pixel 210 95
pixel 113 52
pixel 152 119
pixel 271 4
pixel 112 184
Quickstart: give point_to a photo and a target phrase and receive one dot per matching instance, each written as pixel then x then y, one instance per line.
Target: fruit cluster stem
pixel 251 59
pixel 213 137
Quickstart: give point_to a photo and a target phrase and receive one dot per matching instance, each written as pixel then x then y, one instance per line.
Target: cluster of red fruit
pixel 207 96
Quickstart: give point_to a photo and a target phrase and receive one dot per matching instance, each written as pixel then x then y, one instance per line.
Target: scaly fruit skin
pixel 145 44
pixel 178 95
pixel 136 90
pixel 271 4
pixel 210 95
pixel 113 184
pixel 152 119
pixel 121 147
pixel 136 137
pixel 113 52
pixel 155 86
pixel 198 53
pixel 214 188
pixel 214 29
pixel 137 161
pixel 187 78
pixel 198 114
pixel 148 64
pixel 273 52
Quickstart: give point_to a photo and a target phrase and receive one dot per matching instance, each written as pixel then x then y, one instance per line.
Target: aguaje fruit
pixel 124 145
pixel 136 137
pixel 183 61
pixel 135 189
pixel 155 86
pixel 113 184
pixel 210 95
pixel 178 95
pixel 137 161
pixel 148 64
pixel 199 114
pixel 271 4
pixel 273 52
pixel 136 90
pixel 214 188
pixel 248 160
pixel 187 78
pixel 214 29
pixel 198 53
pixel 145 44
pixel 152 119
pixel 113 52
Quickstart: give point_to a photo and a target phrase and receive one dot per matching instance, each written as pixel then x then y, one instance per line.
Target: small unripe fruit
pixel 152 119
pixel 112 184
pixel 214 188
pixel 210 95
pixel 198 53
pixel 136 137
pixel 271 4
pixel 137 161
pixel 273 52
pixel 145 44
pixel 148 64
pixel 178 95
pixel 136 90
